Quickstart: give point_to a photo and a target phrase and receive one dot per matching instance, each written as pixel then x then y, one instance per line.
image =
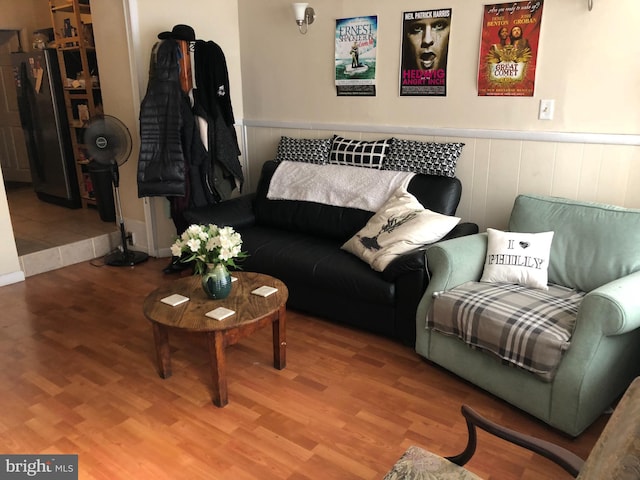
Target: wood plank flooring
pixel 79 376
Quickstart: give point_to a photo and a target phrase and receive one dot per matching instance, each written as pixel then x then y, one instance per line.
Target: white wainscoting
pixel 494 166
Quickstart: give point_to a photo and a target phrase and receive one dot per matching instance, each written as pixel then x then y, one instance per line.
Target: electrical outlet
pixel 131 239
pixel 546 109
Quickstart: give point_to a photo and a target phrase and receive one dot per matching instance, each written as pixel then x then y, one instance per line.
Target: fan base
pixel 125 259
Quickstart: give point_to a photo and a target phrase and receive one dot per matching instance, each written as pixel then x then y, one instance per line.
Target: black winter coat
pixel 162 167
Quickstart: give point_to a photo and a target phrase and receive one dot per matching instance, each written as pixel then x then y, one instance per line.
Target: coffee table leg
pixel 163 352
pixel 279 328
pixel 218 367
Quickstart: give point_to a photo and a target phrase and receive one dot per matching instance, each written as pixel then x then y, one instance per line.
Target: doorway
pixel 37 225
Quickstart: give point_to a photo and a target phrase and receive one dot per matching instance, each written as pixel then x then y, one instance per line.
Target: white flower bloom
pixel 176 249
pixel 208 244
pixel 194 244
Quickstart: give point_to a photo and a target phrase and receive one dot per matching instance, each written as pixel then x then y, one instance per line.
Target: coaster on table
pixel 264 291
pixel 220 313
pixel 175 299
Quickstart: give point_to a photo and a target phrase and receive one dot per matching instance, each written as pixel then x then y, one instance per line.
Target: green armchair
pixel 595 249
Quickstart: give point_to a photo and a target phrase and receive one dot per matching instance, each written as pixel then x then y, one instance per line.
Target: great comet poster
pixel 509 49
pixel 425 48
pixel 355 57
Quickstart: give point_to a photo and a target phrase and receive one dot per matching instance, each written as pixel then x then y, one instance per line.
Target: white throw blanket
pixel 338 185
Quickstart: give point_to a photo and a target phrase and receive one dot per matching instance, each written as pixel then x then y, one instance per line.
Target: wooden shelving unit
pixel 73 29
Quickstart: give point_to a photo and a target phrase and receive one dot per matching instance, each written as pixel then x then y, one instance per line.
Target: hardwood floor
pixel 79 376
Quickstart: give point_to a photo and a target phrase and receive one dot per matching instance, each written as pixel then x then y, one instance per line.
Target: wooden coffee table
pixel 252 312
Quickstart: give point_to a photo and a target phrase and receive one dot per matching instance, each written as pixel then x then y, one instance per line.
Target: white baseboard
pixel 9 278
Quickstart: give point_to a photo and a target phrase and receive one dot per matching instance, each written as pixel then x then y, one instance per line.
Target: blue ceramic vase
pixel 216 281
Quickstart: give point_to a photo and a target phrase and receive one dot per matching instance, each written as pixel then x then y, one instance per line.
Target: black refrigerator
pixel 46 131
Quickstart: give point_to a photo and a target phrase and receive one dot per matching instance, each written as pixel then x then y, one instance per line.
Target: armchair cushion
pixel 419 464
pixel 524 327
pixel 593 244
pixel 515 257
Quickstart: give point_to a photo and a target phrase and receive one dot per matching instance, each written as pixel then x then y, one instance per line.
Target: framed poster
pixel 425 48
pixel 509 49
pixel 355 56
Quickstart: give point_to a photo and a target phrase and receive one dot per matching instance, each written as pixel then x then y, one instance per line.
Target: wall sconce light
pixel 305 15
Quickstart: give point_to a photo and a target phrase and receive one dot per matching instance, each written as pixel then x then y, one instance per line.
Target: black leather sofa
pixel 299 243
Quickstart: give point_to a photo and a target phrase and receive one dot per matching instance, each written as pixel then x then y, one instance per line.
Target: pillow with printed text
pixel 521 258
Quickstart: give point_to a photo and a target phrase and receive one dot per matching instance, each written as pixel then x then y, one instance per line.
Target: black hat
pixel 179 32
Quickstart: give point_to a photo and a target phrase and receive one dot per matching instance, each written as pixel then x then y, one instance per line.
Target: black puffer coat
pixel 162 167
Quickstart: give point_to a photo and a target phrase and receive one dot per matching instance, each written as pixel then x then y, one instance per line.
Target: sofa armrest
pixel 236 212
pixel 416 260
pixel 615 305
pixel 406 263
pixel 461 230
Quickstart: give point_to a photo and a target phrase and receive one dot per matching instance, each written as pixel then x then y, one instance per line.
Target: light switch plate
pixel 546 109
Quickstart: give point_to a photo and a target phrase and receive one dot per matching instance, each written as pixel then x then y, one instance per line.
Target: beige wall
pixel 586 64
pixel 508 150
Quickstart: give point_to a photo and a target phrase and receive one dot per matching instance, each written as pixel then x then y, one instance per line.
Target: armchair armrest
pixel 615 305
pixel 236 212
pixel 557 454
pixel 456 261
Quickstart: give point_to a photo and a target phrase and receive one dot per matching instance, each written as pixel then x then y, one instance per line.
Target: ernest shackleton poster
pixel 425 46
pixel 355 57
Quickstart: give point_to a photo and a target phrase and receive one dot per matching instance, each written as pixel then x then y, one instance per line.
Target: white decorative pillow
pixel 358 153
pixel 521 258
pixel 401 225
pixel 308 150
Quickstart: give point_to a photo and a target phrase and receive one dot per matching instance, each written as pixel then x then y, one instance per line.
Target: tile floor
pixel 49 236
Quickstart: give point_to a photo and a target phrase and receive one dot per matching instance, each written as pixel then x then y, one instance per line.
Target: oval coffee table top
pixel 191 315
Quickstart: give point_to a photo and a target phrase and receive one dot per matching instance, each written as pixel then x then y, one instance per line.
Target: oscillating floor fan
pixel 108 143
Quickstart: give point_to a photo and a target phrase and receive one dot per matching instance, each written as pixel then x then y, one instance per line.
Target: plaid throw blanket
pixel 526 327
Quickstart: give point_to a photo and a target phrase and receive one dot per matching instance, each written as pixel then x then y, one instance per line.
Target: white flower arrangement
pixel 209 244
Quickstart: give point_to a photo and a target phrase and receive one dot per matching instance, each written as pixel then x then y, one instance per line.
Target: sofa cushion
pixel 310 150
pixel 401 225
pixel 593 243
pixel 318 263
pixel 423 157
pixel 358 153
pixel 516 257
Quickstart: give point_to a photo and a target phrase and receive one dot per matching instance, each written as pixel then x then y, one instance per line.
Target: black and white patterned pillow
pixel 309 150
pixel 358 153
pixel 423 157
